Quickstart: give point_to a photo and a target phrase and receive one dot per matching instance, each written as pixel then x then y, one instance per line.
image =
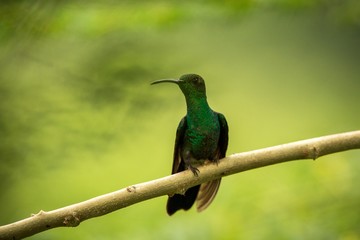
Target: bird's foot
pixel 212 161
pixel 194 170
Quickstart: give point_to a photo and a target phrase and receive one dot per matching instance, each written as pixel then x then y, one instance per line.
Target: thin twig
pixel 73 215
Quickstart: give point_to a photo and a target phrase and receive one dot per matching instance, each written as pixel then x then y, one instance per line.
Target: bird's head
pixel 190 84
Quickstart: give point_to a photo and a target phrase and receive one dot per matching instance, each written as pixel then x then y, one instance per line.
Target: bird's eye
pixel 197 80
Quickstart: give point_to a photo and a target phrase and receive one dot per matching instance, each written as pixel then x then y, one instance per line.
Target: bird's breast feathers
pixel 203 144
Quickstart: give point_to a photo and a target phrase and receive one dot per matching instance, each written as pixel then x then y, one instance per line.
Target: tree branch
pixel 72 215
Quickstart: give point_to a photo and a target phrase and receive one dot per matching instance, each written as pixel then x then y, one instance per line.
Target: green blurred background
pixel 78 117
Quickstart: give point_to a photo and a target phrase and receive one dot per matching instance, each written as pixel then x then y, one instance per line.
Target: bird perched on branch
pixel 201 135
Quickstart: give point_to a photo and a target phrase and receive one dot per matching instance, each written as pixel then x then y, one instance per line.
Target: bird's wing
pixel 207 193
pixel 208 190
pixel 180 132
pixel 180 201
pixel 224 137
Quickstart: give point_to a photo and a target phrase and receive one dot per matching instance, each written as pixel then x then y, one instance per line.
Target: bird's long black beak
pixel 166 80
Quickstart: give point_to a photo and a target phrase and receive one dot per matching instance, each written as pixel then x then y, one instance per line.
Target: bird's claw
pixel 194 170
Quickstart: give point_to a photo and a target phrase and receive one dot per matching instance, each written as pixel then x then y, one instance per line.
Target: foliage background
pixel 78 117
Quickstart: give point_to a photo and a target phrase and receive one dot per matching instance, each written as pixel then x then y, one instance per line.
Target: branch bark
pixel 73 215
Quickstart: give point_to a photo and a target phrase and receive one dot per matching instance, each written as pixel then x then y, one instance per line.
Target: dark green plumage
pixel 201 135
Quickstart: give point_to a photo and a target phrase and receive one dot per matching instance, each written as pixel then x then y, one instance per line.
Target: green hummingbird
pixel 202 135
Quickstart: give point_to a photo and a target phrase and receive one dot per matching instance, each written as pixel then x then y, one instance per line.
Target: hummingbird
pixel 201 136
